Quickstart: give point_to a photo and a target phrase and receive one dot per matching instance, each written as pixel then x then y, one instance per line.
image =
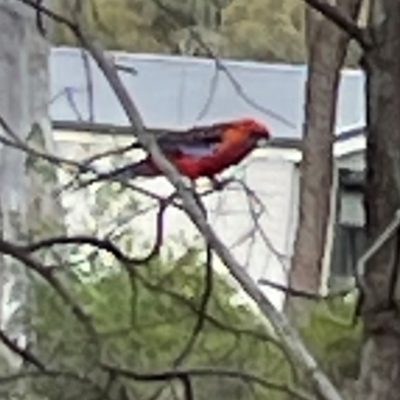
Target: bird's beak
pixel 262 142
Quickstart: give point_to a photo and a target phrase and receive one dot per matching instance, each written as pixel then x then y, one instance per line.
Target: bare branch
pixel 301 293
pixel 107 245
pixel 18 144
pixel 25 355
pixel 46 273
pixel 187 387
pixel 335 15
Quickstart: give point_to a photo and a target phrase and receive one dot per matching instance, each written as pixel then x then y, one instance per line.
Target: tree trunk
pixel 25 195
pixel 380 372
pixel 327 51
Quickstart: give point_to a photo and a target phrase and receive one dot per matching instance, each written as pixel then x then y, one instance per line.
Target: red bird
pixel 203 152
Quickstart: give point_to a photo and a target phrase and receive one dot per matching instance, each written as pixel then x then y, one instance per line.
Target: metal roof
pixel 177 92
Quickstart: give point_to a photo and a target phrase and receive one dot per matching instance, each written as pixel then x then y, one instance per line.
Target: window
pixel 349 244
pixel 350 236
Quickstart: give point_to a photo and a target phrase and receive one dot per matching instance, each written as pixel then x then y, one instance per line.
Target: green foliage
pixel 268 30
pixel 141 25
pixel 145 321
pixel 334 339
pixel 263 30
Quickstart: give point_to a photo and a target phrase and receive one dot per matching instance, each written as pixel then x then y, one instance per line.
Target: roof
pixel 177 92
pixel 352 133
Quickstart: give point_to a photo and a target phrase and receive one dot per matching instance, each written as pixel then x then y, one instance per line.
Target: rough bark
pixel 380 373
pixel 24 197
pixel 327 51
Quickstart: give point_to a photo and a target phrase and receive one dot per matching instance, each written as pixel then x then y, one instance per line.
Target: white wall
pixel 350 153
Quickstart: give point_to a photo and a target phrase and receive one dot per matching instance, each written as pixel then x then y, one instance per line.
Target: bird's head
pixel 256 130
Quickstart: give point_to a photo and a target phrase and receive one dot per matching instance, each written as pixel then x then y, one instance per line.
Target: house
pixel 175 92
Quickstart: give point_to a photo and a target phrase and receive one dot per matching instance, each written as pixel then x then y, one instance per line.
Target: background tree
pixel 26 196
pixel 380 367
pixel 381 361
pixel 265 30
pixel 327 49
pixel 148 26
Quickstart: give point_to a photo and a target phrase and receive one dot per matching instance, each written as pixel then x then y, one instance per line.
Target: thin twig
pixel 301 293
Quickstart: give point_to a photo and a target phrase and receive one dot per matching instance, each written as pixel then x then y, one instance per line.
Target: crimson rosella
pixel 199 152
pixel 202 151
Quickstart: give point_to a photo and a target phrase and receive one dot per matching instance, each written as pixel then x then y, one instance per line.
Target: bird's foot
pixel 219 185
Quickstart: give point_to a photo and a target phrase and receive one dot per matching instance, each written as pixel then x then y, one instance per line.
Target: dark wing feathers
pixel 196 137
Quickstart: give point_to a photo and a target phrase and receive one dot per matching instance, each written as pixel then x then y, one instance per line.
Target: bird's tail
pixel 142 168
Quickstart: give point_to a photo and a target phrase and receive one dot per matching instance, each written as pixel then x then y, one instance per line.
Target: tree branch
pixel 335 15
pixel 306 295
pixel 25 355
pixel 46 273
